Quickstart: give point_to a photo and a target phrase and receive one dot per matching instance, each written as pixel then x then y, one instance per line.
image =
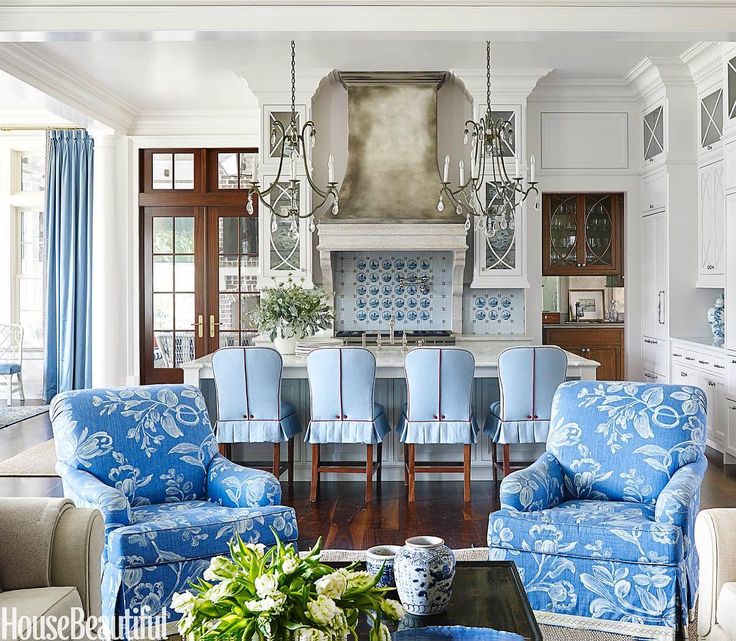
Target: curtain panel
pixel 69 174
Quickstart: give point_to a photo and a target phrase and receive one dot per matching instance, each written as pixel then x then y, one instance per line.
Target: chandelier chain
pixel 488 76
pixel 293 86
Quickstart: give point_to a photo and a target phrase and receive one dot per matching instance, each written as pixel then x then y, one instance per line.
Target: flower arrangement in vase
pixel 276 595
pixel 288 312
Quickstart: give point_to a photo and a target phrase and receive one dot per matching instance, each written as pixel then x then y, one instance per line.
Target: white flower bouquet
pixel 275 595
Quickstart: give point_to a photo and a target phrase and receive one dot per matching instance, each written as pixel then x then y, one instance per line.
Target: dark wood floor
pixel 344 520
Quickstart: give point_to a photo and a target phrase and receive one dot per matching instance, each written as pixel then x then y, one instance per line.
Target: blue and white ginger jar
pixel 715 318
pixel 424 570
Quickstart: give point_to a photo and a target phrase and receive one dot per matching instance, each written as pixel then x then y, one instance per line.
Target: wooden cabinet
pixel 711 226
pixel 597 342
pixel 582 234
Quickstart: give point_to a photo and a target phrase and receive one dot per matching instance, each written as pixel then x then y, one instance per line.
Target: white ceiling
pixel 203 74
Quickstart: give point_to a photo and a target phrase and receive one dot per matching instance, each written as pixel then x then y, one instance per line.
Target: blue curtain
pixel 69 176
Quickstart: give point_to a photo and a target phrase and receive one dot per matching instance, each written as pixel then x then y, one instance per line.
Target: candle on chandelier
pixel 532 169
pixel 461 166
pixel 446 171
pixel 293 165
pixel 517 170
pixel 331 169
pixel 474 168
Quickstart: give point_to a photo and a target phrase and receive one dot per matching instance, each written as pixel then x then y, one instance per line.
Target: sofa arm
pixel 86 490
pixel 537 487
pixel 715 538
pixel 76 556
pixel 679 501
pixel 237 486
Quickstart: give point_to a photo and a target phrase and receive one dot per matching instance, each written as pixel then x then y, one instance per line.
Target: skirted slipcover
pixel 439 397
pixel 146 457
pixel 528 378
pixel 341 384
pixel 249 404
pixel 601 525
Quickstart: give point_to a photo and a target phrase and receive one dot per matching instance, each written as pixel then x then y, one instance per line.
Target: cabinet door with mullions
pixel 711 119
pixel 653 133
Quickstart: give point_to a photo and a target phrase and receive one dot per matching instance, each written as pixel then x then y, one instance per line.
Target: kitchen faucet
pixel 391 325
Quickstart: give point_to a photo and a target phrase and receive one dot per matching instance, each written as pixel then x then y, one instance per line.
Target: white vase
pixel 285 345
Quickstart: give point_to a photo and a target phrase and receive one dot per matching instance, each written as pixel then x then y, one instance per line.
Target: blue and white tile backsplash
pixel 369 291
pixel 493 311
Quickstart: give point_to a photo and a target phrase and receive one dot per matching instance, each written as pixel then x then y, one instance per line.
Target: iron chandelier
pixel 496 209
pixel 297 146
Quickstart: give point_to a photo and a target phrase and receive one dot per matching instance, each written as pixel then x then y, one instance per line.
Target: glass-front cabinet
pixel 653 126
pixel 499 248
pixel 711 119
pixel 582 234
pixel 731 85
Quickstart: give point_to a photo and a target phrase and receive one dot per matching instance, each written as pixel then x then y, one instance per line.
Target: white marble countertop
pixel 390 363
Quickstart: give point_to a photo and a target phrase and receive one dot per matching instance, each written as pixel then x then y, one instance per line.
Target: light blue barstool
pixel 528 378
pixel 438 410
pixel 249 404
pixel 341 384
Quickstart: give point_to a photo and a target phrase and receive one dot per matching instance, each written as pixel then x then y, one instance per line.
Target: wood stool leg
pixel 506 460
pixel 276 467
pixel 290 462
pixel 412 472
pixel 466 473
pixel 226 449
pixel 379 463
pixel 368 473
pixel 406 465
pixel 494 460
pixel 315 473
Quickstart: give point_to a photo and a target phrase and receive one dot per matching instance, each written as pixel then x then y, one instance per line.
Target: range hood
pixel 391 172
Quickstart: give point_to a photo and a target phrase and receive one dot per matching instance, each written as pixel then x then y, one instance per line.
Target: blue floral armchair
pixel 147 458
pixel 601 526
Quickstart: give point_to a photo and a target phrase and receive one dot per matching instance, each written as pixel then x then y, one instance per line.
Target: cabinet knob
pixel 651 206
pixel 683 374
pixel 711 384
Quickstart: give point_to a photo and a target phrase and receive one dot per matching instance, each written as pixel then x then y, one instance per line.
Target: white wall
pixel 589 114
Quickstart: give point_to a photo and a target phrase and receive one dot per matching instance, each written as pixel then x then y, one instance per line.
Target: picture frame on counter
pixel 592 304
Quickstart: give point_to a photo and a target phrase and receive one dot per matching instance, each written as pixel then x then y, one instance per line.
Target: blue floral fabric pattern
pixel 601 526
pixel 147 458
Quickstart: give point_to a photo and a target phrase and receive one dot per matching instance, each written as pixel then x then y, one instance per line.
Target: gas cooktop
pixel 413 336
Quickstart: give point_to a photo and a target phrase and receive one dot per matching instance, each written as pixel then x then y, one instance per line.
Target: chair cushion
pixel 259 430
pixel 37 602
pixel 611 530
pixel 350 431
pixel 9 368
pixel 726 611
pixel 437 432
pixel 514 431
pixel 194 529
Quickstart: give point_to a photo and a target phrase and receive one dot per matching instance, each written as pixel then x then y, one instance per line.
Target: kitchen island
pixel 391 392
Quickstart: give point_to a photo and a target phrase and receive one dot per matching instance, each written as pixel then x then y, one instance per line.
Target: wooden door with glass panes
pixel 199 256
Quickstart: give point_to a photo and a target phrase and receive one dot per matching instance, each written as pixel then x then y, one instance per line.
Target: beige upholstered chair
pixel 50 559
pixel 715 537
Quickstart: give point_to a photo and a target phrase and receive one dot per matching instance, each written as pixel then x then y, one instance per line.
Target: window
pixel 29 273
pixel 173 171
pixel 234 169
pixel 32 172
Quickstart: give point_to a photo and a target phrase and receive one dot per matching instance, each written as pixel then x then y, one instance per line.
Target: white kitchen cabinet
pixel 655 356
pixel 710 120
pixel 654 276
pixel 729 156
pixel 653 193
pixel 499 257
pixel 731 426
pixel 654 134
pixel 711 226
pixel 715 392
pixel 730 311
pixel 653 377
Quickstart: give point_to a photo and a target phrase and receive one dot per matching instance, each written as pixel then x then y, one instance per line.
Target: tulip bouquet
pixel 276 595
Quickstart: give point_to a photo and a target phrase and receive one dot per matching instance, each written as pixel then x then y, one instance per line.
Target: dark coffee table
pixel 485 594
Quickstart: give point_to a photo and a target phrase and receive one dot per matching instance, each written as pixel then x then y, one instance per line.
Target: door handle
pixel 199 325
pixel 213 324
pixel 660 293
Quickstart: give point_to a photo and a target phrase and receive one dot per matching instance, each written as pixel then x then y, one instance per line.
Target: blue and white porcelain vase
pixel 715 318
pixel 382 556
pixel 424 570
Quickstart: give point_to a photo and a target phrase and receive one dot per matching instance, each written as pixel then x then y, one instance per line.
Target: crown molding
pixel 658 74
pixel 236 122
pixel 510 84
pixel 704 59
pixel 583 89
pixel 67 86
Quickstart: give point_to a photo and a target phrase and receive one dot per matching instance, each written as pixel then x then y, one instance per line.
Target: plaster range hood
pixel 388 198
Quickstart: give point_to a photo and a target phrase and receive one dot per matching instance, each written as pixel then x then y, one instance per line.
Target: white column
pixel 109 269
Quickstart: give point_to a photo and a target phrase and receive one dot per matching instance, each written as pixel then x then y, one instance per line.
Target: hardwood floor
pixel 342 517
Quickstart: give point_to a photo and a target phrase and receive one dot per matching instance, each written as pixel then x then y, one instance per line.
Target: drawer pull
pixel 711 383
pixel 683 374
pixel 689 358
pixel 719 366
pixel 676 355
pixel 704 362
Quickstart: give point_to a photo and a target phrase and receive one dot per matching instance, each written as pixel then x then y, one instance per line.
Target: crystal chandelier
pixel 496 209
pixel 296 145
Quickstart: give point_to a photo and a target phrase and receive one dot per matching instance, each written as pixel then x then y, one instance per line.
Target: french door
pixel 199 266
